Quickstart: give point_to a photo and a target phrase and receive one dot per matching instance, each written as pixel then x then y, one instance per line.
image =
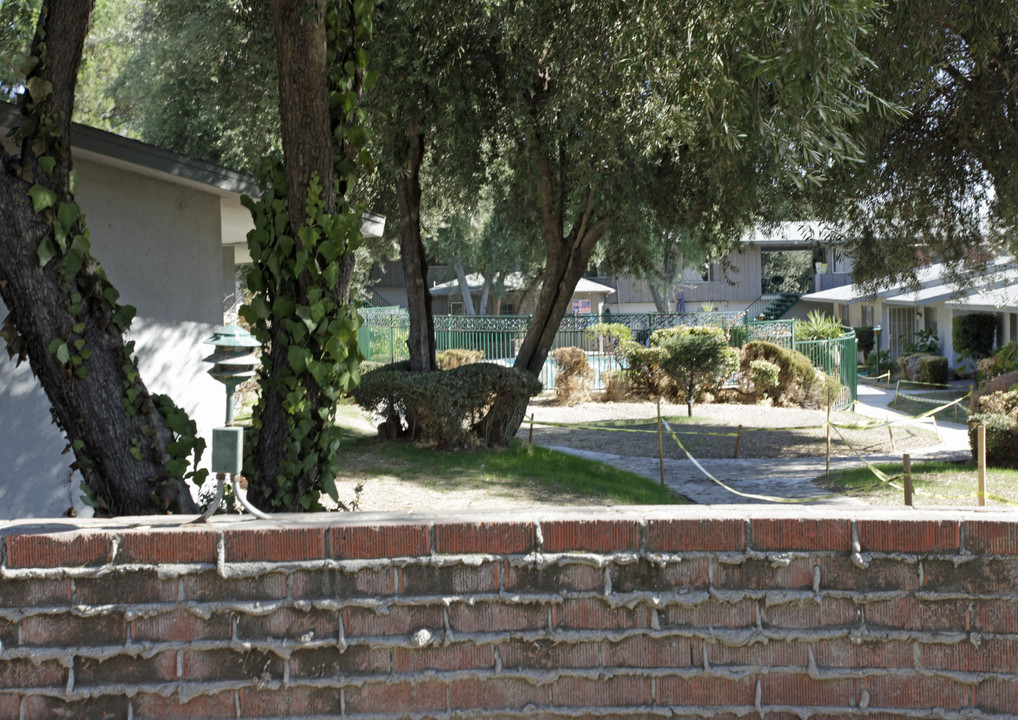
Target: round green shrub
pixel 799 383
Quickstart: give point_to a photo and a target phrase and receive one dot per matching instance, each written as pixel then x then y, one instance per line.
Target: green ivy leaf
pixel 48 163
pixel 39 88
pixel 72 182
pixel 46 251
pixel 42 198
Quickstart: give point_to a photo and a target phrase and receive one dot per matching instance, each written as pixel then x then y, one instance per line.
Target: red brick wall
pixel 690 612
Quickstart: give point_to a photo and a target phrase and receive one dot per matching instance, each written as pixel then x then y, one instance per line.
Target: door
pixel 901 325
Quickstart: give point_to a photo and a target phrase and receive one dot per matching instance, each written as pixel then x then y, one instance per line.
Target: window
pixel 842 263
pixel 456 307
pixel 846 315
pixel 708 273
pixel 867 316
pixel 508 309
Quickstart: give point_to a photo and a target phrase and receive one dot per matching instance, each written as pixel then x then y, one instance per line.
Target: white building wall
pixel 160 245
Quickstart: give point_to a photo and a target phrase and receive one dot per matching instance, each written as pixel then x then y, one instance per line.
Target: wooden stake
pixel 897 389
pixel 828 432
pixel 936 429
pixel 738 437
pixel 972 399
pixel 981 453
pixel 890 434
pixel 531 428
pixel 660 444
pixel 906 461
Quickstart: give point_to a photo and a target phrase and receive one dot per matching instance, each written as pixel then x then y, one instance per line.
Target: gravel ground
pixel 768 432
pixel 387 492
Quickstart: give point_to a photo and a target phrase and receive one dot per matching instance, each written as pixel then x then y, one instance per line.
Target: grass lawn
pixel 519 466
pixel 956 413
pixel 934 483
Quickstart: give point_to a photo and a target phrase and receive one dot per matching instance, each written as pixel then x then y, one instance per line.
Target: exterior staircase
pixel 778 306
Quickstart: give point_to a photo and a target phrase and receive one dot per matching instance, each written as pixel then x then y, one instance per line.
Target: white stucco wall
pixel 160 245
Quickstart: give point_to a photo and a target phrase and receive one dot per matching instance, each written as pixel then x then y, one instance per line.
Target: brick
pixel 596 614
pixel 801 534
pixel 620 691
pixel 181 626
pixel 210 587
pixel 497 617
pixel 65 549
pixel 103 707
pixel 496 538
pixel 161 667
pixel 289 702
pixel 398 620
pixel 843 653
pixel 458 656
pixel 20 593
pixel 644 575
pixel 758 574
pixel 338 584
pixel 997 695
pixel 274 545
pixel 329 662
pixel 838 573
pixel 828 613
pixel 10 706
pixel 70 630
pixel 143 587
pixel 982 576
pixel 800 689
pixel 710 613
pixel 642 651
pixel 399 697
pixel 912 692
pixel 991 538
pixel 227 664
pixel 367 542
pixel 496 694
pixel 992 655
pixel 157 707
pixel 24 673
pixel 449 579
pixel 994 616
pixel 590 535
pixel 553 578
pixel 8 633
pixel 289 623
pixel 548 655
pixel 772 654
pixel 909 536
pixel 676 536
pixel 180 545
pixel 909 613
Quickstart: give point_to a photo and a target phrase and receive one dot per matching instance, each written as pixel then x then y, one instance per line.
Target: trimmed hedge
pixel 973 335
pixel 475 404
pixel 998 411
pixel 574 376
pixel 925 368
pixel 799 383
pixel 456 357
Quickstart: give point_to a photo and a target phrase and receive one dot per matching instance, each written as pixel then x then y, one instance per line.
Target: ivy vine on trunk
pixel 131 447
pixel 302 247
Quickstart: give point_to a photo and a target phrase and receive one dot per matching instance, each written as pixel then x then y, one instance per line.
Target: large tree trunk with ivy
pixel 304 261
pixel 421 339
pixel 63 313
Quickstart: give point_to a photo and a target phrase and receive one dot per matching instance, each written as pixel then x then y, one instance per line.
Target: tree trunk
pixel 568 257
pixel 421 339
pixel 660 301
pixel 465 293
pixel 307 151
pixel 121 456
pixel 485 291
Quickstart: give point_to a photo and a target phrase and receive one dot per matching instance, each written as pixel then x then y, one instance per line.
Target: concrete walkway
pixel 779 477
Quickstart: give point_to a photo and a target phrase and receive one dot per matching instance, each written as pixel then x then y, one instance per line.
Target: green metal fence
pixel 385 332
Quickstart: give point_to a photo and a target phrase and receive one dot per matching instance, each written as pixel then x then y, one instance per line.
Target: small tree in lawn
pixel 696 358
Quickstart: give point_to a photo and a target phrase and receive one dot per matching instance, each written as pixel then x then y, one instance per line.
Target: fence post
pixel 828 432
pixel 981 452
pixel 906 468
pixel 660 444
pixel 738 437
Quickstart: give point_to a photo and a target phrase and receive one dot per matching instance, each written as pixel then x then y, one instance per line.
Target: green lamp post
pixel 234 360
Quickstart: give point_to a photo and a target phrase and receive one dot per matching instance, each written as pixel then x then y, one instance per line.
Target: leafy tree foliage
pixel 695 358
pixel 938 183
